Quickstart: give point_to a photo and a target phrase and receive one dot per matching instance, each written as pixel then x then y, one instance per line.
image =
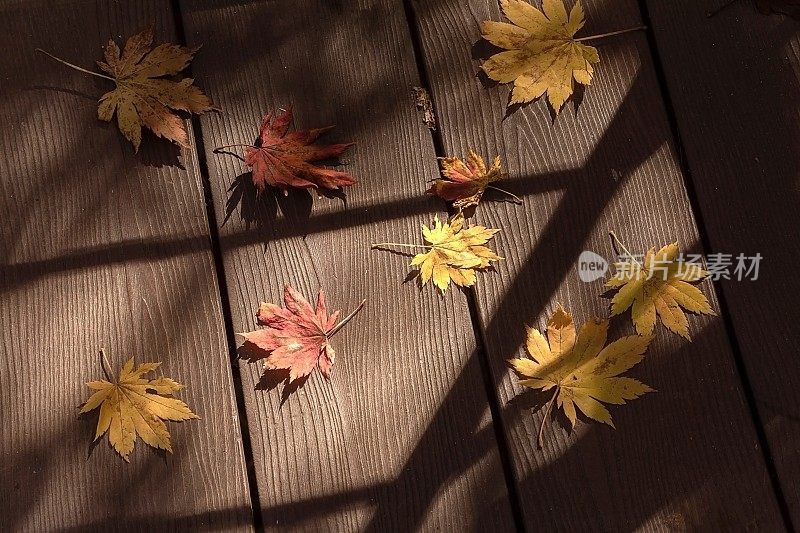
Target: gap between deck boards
pixel 222 288
pixel 472 304
pixel 694 203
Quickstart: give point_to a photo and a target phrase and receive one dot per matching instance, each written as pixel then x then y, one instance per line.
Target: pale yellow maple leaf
pixel 542 54
pixel 455 252
pixel 580 368
pixel 659 287
pixel 135 406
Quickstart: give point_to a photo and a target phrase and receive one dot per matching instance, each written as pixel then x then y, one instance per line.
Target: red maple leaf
pixel 463 182
pixel 296 336
pixel 282 159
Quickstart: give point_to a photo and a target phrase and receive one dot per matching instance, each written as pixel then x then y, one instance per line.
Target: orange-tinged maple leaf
pixel 464 182
pixel 296 337
pixel 143 96
pixel 283 159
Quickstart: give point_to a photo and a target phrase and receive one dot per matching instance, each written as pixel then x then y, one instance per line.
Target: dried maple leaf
pixel 581 369
pixel 464 183
pixel 454 252
pixel 542 54
pixel 659 287
pixel 143 97
pixel 423 102
pixel 296 338
pixel 282 159
pixel 135 406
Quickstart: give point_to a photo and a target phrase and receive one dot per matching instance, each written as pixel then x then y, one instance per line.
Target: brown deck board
pixel 84 264
pixel 401 438
pixel 734 84
pixel 608 164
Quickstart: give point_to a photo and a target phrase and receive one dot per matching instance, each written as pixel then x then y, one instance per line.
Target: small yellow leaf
pixel 136 406
pixel 581 369
pixel 659 288
pixel 455 253
pixel 542 54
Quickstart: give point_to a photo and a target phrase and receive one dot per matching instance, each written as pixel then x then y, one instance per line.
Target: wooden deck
pixel 690 131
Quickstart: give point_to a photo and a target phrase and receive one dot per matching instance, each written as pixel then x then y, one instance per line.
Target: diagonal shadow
pixel 266 227
pixel 565 232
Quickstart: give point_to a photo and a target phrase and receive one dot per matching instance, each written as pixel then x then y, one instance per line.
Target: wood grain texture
pixel 101 247
pixel 738 119
pixel 607 164
pixel 401 438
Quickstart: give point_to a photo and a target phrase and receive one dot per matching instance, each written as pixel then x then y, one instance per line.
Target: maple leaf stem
pixel 346 319
pixel 76 67
pixel 402 245
pixel 546 414
pixel 624 249
pixel 516 198
pixel 611 33
pixel 105 364
pixel 218 148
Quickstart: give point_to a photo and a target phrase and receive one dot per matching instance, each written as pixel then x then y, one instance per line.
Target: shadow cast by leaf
pixel 393 251
pixel 295 205
pixel 72 92
pixel 578 94
pixel 481 51
pixel 270 379
pixel 89 421
pixel 413 275
pixel 332 194
pixel 257 209
pixel 531 401
pixel 260 208
pixel 155 151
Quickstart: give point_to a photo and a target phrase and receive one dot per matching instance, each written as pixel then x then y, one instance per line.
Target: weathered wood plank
pixel 609 164
pixel 101 247
pixel 401 438
pixel 739 120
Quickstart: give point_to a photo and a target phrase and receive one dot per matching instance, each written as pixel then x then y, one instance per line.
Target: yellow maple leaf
pixel 580 368
pixel 135 406
pixel 661 286
pixel 542 54
pixel 455 252
pixel 143 97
